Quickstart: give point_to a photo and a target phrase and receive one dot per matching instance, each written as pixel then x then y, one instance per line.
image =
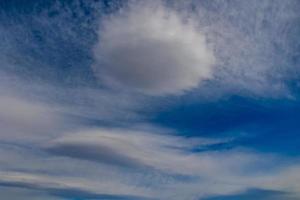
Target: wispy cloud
pixel 130 163
pixel 81 82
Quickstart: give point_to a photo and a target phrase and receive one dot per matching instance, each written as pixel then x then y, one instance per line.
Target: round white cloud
pixel 151 49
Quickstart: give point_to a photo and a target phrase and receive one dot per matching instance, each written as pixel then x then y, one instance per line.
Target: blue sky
pixel 195 100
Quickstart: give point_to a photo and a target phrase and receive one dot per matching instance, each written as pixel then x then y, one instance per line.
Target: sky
pixel 149 100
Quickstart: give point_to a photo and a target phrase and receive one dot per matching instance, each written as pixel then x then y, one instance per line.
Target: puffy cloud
pixel 168 48
pixel 152 49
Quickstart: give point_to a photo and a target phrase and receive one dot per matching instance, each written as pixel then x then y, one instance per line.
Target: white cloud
pixel 252 43
pixel 134 149
pixel 22 120
pixel 168 48
pixel 152 49
pixel 167 156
